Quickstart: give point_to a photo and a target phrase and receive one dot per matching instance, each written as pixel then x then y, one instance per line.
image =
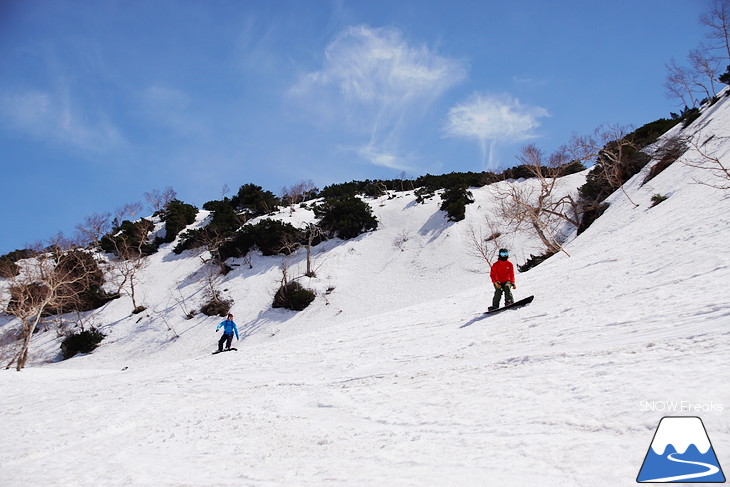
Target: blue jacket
pixel 229 327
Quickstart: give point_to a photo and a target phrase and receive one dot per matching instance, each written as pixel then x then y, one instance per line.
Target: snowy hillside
pixel 394 376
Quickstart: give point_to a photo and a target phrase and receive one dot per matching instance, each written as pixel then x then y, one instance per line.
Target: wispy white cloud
pixel 54 116
pixel 493 119
pixel 501 118
pixel 385 159
pixel 375 84
pixel 172 108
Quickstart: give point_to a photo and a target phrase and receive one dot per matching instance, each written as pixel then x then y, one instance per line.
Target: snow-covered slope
pixel 394 376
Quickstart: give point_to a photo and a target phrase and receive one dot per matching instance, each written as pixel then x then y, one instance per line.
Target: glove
pixel 497 285
pixel 514 286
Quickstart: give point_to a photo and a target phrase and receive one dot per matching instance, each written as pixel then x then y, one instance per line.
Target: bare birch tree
pixel 681 84
pixel 485 241
pixel 47 282
pixel 313 234
pixel 160 199
pixel 707 65
pixel 299 192
pixel 612 149
pixel 718 22
pixel 130 260
pixel 711 162
pixel 212 239
pixel 536 204
pixel 94 227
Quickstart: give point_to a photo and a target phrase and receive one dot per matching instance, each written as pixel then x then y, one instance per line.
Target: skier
pixel 229 327
pixel 503 278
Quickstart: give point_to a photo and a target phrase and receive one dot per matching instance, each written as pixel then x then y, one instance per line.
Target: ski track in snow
pixel 379 382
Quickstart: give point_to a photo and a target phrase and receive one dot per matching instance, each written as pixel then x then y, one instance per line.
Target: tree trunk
pixel 131 293
pixel 28 334
pixel 310 272
pixel 543 238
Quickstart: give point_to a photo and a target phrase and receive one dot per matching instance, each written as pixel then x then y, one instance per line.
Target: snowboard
pixel 226 350
pixel 516 304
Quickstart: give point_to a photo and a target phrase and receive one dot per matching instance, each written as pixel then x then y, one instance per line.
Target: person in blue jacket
pixel 229 328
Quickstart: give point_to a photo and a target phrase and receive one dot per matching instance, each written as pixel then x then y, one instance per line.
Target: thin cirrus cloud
pixel 377 85
pixel 493 119
pixel 172 108
pixel 55 117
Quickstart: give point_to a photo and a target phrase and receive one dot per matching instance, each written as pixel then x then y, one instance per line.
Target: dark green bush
pixel 534 261
pixel 293 296
pixel 658 198
pixel 570 168
pixel 690 116
pixel 130 240
pixel 255 200
pixel 454 203
pixel 177 215
pixel 342 190
pixel 224 216
pixel 589 214
pixel 271 237
pixel 224 221
pixel 345 217
pixel 81 342
pixel 598 187
pixel 648 133
pixel 725 78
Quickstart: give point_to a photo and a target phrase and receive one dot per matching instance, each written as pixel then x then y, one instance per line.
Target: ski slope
pixel 393 376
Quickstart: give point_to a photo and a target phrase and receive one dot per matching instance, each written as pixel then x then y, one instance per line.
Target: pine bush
pixel 81 342
pixel 346 216
pixel 293 296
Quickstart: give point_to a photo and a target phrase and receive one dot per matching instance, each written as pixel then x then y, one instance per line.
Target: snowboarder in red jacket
pixel 503 278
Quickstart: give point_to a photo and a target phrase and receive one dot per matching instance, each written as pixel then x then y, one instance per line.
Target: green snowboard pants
pixel 506 288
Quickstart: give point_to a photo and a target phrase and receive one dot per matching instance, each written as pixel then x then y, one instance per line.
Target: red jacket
pixel 503 271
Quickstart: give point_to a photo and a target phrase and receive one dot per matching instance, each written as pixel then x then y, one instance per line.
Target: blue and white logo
pixel 681 452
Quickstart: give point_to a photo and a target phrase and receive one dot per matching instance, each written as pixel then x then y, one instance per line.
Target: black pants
pixel 227 339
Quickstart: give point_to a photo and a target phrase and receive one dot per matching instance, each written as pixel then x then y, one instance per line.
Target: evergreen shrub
pixel 177 215
pixel 81 342
pixel 130 240
pixel 346 216
pixel 454 203
pixel 658 198
pixel 293 296
pixel 255 200
pixel 725 77
pixel 534 261
pixel 271 237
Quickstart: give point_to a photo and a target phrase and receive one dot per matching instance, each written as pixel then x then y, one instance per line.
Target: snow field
pixel 397 378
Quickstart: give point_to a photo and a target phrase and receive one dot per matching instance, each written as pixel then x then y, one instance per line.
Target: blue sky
pixel 101 101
